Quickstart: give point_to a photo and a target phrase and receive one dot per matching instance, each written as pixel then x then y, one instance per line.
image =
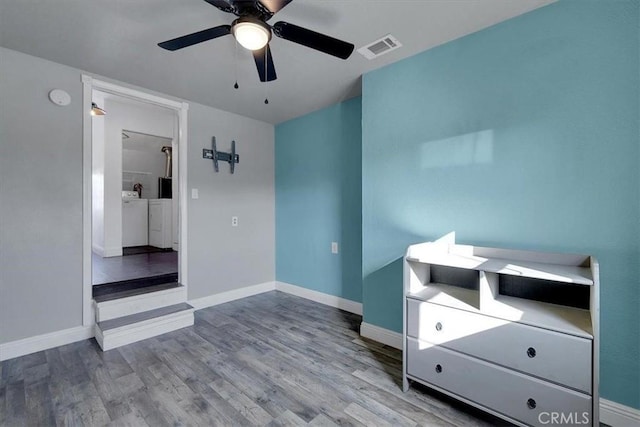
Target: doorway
pixel 149 245
pixel 134 176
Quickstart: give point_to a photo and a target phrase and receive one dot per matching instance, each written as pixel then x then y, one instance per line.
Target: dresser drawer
pixel 561 358
pixel 511 393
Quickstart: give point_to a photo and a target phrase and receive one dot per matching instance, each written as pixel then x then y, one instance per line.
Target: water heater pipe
pixel 167 170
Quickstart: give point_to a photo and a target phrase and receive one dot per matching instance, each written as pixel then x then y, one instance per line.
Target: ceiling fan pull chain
pixel 235 64
pixel 266 75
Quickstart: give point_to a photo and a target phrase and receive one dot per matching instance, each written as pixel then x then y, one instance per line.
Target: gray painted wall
pixel 222 257
pixel 41 200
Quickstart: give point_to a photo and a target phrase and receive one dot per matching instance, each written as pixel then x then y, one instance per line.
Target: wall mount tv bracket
pixel 215 155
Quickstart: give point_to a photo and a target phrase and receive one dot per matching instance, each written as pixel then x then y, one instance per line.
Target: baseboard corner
pixel 381 335
pixel 320 297
pixel 97 249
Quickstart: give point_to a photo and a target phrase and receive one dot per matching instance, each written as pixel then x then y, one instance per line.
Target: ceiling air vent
pixel 380 47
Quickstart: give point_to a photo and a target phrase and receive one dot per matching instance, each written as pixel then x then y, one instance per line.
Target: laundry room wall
pixel 143 162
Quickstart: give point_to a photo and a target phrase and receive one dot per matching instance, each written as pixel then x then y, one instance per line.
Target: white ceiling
pixel 143 142
pixel 118 39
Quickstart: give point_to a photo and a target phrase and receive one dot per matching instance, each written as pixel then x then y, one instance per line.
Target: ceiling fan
pixel 252 32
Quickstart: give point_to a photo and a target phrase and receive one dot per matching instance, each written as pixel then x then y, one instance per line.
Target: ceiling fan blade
pixel 275 5
pixel 223 5
pixel 195 38
pixel 314 40
pixel 267 74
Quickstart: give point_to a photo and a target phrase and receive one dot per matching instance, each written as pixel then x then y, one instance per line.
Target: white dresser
pixel 514 333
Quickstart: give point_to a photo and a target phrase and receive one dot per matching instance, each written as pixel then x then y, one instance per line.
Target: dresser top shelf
pixel 554 317
pixel 555 267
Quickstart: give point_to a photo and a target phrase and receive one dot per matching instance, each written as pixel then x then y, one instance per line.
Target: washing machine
pixel 135 218
pixel 160 224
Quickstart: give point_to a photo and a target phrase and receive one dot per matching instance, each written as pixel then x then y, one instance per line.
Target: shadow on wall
pixel 383 297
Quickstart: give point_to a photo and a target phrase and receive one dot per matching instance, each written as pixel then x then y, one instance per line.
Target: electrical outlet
pixel 334 247
pixel 194 193
pixel 234 221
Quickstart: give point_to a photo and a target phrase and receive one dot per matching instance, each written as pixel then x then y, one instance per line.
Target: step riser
pixel 126 285
pixel 111 339
pixel 108 310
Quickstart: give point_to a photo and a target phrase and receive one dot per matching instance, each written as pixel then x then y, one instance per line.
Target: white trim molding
pixel 183 125
pixel 30 345
pixel 86 201
pixel 320 297
pixel 112 251
pixel 128 92
pixel 181 109
pixel 381 335
pixel 617 415
pixel 228 296
pixel 611 413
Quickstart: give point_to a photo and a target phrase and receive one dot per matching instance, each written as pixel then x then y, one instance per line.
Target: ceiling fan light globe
pixel 250 35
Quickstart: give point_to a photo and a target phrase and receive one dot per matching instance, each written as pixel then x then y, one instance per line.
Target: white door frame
pixel 89 84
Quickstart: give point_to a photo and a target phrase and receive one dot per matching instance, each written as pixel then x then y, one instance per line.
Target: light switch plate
pixel 334 247
pixel 194 193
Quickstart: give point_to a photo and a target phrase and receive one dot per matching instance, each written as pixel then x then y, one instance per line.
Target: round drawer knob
pixel 531 352
pixel 531 404
pixel 438 368
pixel 438 326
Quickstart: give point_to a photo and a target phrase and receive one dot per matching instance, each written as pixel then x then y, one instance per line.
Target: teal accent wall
pixel 319 200
pixel 524 135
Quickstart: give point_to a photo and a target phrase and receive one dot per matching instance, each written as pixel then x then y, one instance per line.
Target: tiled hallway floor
pixel 115 269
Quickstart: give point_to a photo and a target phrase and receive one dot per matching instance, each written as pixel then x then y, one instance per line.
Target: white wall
pixel 222 257
pixel 125 116
pixel 41 200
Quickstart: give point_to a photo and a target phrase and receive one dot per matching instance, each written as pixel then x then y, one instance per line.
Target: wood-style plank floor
pixel 271 359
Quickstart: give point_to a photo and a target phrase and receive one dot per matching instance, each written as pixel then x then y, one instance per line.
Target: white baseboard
pixel 382 335
pixel 319 297
pixel 44 342
pixel 98 250
pixel 221 298
pixel 617 415
pixel 611 413
pixel 113 251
